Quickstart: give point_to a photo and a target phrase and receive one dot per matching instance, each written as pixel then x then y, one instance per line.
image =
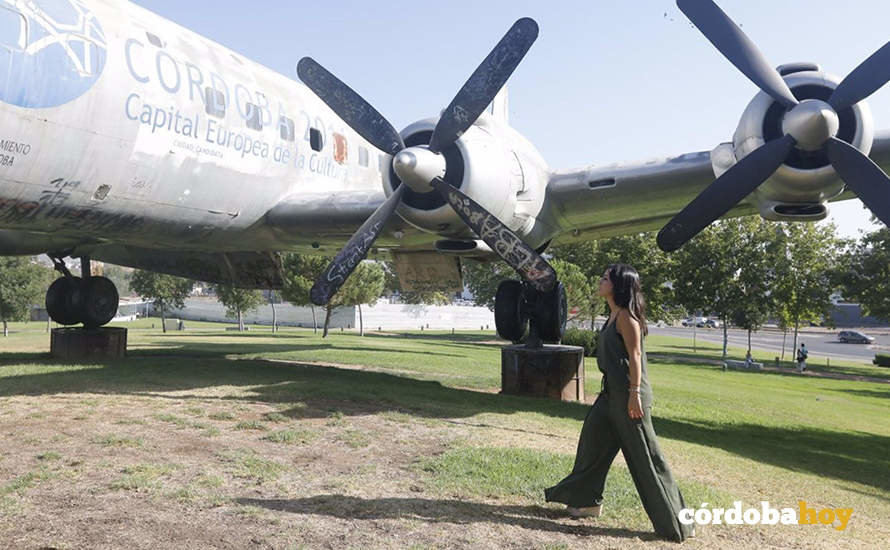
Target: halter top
pixel 614 362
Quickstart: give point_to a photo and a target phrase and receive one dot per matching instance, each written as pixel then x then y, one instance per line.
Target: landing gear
pixel 72 300
pixel 522 313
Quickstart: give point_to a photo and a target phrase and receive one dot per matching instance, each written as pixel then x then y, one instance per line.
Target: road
pixel 819 344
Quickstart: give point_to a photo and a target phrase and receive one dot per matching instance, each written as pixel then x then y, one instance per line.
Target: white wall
pixel 382 315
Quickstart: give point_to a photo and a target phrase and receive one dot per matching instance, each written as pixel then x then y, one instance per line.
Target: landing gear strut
pixel 72 300
pixel 523 314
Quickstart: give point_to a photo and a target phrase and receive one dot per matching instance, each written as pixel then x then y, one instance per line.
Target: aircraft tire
pixel 101 302
pixel 63 301
pixel 510 319
pixel 552 313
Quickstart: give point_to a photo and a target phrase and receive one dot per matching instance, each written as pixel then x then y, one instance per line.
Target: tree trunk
pixel 725 337
pixel 274 315
pixel 749 340
pixel 164 321
pixel 314 320
pixel 327 321
pixel 784 339
pixel 5 329
pixel 240 321
pixel 361 324
pixel 796 326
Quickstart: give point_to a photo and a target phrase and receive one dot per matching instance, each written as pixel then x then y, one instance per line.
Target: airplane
pixel 131 140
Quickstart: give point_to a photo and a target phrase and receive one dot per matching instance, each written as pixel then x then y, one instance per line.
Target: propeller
pixel 809 125
pixel 422 167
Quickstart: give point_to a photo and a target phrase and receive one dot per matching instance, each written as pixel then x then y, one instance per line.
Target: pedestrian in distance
pixel 802 358
pixel 621 418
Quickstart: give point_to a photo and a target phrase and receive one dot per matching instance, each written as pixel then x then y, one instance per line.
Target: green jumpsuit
pixel 608 428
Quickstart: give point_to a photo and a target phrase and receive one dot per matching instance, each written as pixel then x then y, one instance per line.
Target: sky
pixel 606 80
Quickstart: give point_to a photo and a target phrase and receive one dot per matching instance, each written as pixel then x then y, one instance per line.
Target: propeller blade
pixel 355 251
pixel 529 264
pixel 726 191
pixel 735 46
pixel 351 107
pixel 865 80
pixel 485 82
pixel 864 177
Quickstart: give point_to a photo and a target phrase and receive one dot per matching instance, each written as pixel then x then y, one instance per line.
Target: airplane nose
pixel 418 166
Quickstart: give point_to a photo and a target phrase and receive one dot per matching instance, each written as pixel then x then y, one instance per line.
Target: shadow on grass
pixel 535 518
pixel 852 456
pixel 350 391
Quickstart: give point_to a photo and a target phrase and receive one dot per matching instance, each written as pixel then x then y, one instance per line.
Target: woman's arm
pixel 630 333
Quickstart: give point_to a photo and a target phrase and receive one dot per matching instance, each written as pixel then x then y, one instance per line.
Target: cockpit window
pixel 154 40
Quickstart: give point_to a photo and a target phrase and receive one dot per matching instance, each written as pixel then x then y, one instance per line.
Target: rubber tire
pixel 552 314
pixel 63 300
pixel 510 319
pixel 101 302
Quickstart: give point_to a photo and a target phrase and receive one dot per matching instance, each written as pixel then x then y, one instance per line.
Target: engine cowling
pixel 799 189
pixel 490 163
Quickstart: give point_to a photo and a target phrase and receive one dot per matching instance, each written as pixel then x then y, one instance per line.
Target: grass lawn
pixel 208 438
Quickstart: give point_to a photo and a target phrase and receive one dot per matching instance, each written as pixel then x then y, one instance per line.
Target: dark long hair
pixel 628 293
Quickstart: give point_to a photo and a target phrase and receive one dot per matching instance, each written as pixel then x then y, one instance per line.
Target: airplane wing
pixel 617 199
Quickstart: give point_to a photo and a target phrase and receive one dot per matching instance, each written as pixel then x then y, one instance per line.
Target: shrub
pixel 882 360
pixel 584 338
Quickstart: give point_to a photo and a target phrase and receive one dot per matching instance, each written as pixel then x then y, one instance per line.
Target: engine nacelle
pixel 799 189
pixel 492 164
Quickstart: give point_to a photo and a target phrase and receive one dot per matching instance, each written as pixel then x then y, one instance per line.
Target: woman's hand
pixel 634 406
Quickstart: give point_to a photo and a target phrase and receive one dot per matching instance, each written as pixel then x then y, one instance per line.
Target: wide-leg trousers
pixel 608 428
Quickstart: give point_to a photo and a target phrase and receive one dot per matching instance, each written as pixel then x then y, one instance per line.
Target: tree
pixel 639 251
pixel 867 277
pixel 165 291
pixel 364 286
pixel 238 301
pixel 807 262
pixel 579 296
pixel 725 270
pixel 22 283
pixel 300 273
pixel 482 280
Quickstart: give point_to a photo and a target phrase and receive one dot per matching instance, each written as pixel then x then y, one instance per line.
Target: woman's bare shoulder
pixel 627 320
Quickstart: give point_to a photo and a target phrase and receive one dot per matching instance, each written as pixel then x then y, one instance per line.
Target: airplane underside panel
pixel 256 270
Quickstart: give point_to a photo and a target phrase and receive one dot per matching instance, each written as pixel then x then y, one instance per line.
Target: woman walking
pixel 620 418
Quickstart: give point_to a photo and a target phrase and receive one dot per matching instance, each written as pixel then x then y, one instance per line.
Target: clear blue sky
pixel 606 81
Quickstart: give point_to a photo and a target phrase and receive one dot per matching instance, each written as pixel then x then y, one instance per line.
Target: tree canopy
pixel 22 285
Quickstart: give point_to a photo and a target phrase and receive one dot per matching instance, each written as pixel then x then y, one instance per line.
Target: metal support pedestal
pixel 556 372
pixel 76 344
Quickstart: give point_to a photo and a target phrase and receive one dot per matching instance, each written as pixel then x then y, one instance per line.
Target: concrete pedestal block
pixel 556 372
pixel 73 344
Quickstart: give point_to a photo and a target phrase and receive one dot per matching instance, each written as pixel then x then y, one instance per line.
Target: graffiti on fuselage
pixel 53 205
pixel 206 127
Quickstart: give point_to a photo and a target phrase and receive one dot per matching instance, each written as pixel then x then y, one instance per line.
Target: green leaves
pixel 166 291
pixel 22 284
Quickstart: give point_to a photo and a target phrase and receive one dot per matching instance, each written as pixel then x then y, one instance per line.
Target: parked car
pixel 713 323
pixel 688 322
pixel 855 337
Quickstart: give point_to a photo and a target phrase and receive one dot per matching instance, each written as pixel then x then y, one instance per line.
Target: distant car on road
pixel 694 322
pixel 713 323
pixel 853 336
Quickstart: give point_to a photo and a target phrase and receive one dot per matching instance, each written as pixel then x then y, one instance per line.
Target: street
pixel 819 343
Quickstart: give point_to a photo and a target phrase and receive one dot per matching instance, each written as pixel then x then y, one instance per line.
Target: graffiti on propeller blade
pixel 354 252
pixel 504 242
